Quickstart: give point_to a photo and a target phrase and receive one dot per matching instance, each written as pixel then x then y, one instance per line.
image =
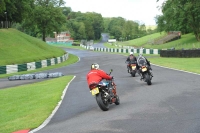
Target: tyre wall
pixel 32 65
pixel 180 53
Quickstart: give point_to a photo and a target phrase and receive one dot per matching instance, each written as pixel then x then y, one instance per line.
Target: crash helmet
pixel 95 66
pixel 131 53
pixel 140 55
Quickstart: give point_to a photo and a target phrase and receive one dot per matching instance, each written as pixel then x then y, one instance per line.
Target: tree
pixel 182 15
pixel 66 10
pixel 115 27
pixel 16 10
pixel 106 22
pixel 142 29
pixel 48 16
pixel 131 30
pixel 160 21
pixel 97 24
pixel 92 28
pixel 81 31
pixel 2 7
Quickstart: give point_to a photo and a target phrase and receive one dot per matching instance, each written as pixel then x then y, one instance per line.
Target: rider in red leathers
pixel 95 75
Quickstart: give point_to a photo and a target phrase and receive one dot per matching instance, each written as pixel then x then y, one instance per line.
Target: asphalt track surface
pixel 169 105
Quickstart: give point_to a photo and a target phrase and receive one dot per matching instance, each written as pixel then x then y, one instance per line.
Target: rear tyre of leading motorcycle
pixel 102 102
pixel 147 79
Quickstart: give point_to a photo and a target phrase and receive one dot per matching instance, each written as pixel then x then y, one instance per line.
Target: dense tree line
pixel 90 25
pixel 40 18
pixel 34 17
pixel 180 15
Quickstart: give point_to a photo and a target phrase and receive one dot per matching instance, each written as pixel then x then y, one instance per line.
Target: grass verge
pixel 27 106
pixel 71 47
pixel 186 64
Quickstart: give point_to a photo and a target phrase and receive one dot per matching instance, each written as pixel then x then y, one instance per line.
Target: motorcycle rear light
pixel 92 87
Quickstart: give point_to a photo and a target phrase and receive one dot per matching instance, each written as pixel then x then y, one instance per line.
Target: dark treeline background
pixel 40 18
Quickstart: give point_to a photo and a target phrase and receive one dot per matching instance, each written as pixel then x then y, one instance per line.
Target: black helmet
pixel 95 66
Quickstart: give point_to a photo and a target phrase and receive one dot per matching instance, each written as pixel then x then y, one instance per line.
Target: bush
pixel 75 44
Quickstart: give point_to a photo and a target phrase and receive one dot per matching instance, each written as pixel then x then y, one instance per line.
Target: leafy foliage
pixel 180 15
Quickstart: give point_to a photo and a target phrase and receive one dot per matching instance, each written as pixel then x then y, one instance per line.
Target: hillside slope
pixel 142 41
pixel 17 47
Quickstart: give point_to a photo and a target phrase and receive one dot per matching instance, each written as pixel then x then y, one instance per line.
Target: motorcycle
pixel 105 93
pixel 132 68
pixel 145 72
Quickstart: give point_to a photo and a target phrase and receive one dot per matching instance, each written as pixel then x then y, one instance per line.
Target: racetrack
pixel 169 105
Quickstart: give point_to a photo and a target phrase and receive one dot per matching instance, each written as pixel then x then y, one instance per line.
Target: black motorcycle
pixel 145 70
pixel 105 93
pixel 132 67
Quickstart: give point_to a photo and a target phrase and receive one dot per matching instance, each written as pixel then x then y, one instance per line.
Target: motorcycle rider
pixel 96 75
pixel 140 60
pixel 130 58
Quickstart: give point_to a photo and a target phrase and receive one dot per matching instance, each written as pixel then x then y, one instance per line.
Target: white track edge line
pixel 54 111
pixel 176 69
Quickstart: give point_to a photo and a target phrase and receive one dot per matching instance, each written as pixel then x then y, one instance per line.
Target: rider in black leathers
pixel 148 63
pixel 129 59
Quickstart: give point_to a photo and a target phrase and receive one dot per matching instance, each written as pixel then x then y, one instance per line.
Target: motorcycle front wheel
pixel 117 102
pixel 133 73
pixel 102 101
pixel 147 79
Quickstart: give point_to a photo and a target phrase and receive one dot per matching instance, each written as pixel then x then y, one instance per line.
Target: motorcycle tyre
pixel 133 73
pixel 117 102
pixel 147 79
pixel 102 105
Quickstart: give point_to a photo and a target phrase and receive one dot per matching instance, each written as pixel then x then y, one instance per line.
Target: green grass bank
pixel 187 41
pixel 17 48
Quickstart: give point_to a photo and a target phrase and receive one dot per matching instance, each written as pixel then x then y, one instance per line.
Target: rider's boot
pixel 127 69
pixel 151 73
pixel 114 90
pixel 141 77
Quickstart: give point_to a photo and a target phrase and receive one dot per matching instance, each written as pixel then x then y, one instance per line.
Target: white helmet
pixel 131 53
pixel 140 55
pixel 95 66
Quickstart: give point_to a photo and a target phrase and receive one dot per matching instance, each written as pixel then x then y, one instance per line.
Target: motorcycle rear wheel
pixel 102 102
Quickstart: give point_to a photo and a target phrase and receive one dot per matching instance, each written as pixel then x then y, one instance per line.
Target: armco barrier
pixel 120 50
pixel 124 50
pixel 32 65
